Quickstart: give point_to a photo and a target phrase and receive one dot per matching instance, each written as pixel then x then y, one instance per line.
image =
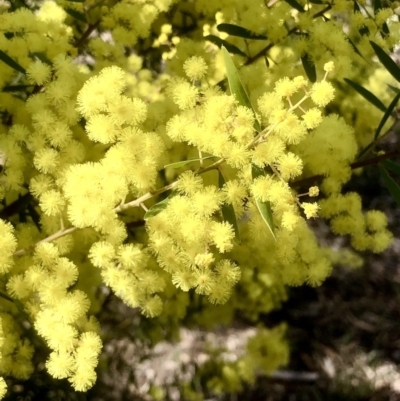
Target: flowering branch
pixel 251 60
pixel 374 160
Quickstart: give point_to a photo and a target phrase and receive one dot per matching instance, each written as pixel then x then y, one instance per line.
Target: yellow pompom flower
pixel 290 220
pixel 17 287
pixel 269 102
pixel 376 220
pixel 183 278
pixel 58 92
pixel 228 271
pixel 46 254
pixel 3 388
pixel 46 160
pixel 220 292
pixel 65 270
pixel 329 66
pixel 290 128
pixel 52 202
pixel 195 68
pixel 8 245
pixel 285 87
pixel 290 166
pixel 189 183
pixel 177 128
pixel 124 110
pixel 204 279
pixel 268 152
pixel 310 209
pixel 101 254
pixel 312 118
pixel 322 93
pixel 234 192
pixel 60 364
pixel 34 276
pixel 204 259
pixel 83 378
pixel 100 128
pixel 313 191
pixel 152 306
pixel 207 201
pixel 381 241
pixel 72 307
pixel 222 234
pixel 184 94
pixel 130 256
pixel 38 73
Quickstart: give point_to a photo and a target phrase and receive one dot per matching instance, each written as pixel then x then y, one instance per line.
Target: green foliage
pixel 236 30
pixel 391 184
pixel 365 93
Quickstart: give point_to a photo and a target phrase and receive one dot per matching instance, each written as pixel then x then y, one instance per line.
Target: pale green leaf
pixel 366 94
pixel 184 162
pixel 264 207
pixel 390 184
pixel 236 85
pixel 391 165
pixel 228 212
pixel 223 43
pixel 5 58
pixel 387 114
pixel 236 30
pixel 159 207
pixel 386 60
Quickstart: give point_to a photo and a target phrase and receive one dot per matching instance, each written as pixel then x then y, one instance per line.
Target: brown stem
pixel 362 163
pixel 251 60
pixel 87 33
pixel 16 206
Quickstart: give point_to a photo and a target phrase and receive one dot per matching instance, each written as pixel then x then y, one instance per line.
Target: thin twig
pixel 86 34
pixel 251 60
pixel 353 166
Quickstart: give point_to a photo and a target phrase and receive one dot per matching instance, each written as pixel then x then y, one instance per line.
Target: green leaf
pixel 228 212
pixel 386 60
pixel 378 6
pixel 236 30
pixel 265 211
pixel 16 88
pixel 17 303
pixel 355 48
pixel 365 149
pixel 366 94
pixel 42 57
pixel 76 14
pixel 390 184
pixel 387 114
pixel 223 43
pixel 385 29
pixel 10 62
pixel 236 86
pixel 184 162
pixel 309 67
pixel 393 88
pixel 264 207
pixel 364 30
pixel 391 165
pixel 295 5
pixel 160 206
